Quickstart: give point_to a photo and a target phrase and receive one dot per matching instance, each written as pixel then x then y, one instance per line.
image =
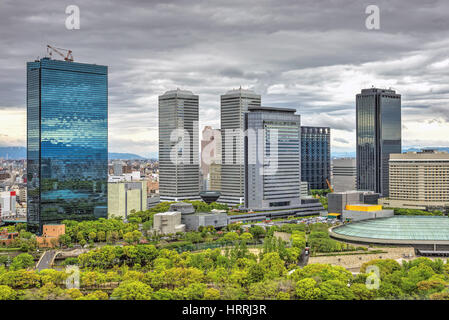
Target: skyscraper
pixel 67 141
pixel 210 154
pixel 234 104
pixel 378 122
pixel 316 156
pixel 272 158
pixel 178 146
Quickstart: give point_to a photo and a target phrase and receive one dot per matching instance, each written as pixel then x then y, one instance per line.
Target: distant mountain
pixel 417 149
pixel 343 154
pixel 13 153
pixel 18 153
pixel 124 156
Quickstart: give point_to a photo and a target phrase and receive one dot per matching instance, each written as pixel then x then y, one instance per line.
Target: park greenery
pixel 125 260
pixel 416 212
pixel 144 272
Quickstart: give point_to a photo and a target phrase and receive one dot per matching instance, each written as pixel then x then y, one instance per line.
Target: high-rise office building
pixel 179 173
pixel 344 174
pixel 210 153
pixel 378 126
pixel 272 158
pixel 316 156
pixel 234 104
pixel 67 141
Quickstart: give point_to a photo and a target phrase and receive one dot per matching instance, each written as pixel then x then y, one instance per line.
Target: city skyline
pixel 292 61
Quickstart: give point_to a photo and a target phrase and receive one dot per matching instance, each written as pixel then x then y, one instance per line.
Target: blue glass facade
pixel 67 141
pixel 315 156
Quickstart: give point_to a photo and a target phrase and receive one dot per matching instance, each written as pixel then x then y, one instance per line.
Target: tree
pixel 65 240
pixel 335 290
pixel 7 293
pixel 211 294
pixel 132 290
pixel 307 289
pixel 257 231
pixel 22 261
pixel 272 265
pixel 246 236
pixel 361 292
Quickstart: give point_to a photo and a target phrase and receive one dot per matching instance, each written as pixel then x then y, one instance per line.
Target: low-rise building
pixel 168 222
pixel 124 197
pixel 419 180
pixel 358 212
pixel 50 235
pixel 337 201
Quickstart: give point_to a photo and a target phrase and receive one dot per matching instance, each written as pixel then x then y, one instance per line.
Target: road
pixel 46 260
pixel 303 259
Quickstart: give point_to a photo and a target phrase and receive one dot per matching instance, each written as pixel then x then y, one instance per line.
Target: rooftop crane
pixel 329 185
pixel 68 57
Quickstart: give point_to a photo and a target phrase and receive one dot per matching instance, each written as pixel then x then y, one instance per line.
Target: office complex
pixel 344 174
pixel 419 180
pixel 315 156
pixel 67 141
pixel 210 154
pixel 178 146
pixel 124 197
pixel 215 176
pixel 234 104
pixel 378 127
pixel 272 158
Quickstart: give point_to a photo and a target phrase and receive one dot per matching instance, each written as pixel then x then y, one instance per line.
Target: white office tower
pixel 234 104
pixel 272 159
pixel 178 146
pixel 8 204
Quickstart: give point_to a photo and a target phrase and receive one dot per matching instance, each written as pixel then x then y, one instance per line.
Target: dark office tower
pixel 316 156
pixel 179 169
pixel 234 104
pixel 378 121
pixel 67 141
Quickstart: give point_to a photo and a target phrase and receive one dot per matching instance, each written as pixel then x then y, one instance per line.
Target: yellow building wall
pixel 366 208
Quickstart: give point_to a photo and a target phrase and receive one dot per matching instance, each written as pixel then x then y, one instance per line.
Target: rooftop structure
pixel 411 230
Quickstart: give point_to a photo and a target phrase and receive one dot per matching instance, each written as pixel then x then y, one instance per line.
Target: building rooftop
pixel 277 109
pixel 408 228
pixel 168 213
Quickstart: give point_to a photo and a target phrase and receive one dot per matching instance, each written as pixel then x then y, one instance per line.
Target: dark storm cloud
pixel 312 55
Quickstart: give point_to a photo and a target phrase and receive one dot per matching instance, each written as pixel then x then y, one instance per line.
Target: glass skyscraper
pixel 67 141
pixel 316 156
pixel 378 122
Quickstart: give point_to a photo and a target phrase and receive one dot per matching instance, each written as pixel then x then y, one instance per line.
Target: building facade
pixel 378 127
pixel 234 104
pixel 272 158
pixel 67 141
pixel 178 146
pixel 419 180
pixel 124 197
pixel 344 174
pixel 316 156
pixel 211 145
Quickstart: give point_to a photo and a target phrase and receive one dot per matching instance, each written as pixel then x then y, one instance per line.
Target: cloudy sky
pixel 312 55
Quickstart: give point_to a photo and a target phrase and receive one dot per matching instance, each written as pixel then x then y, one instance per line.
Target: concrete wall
pixel 364 215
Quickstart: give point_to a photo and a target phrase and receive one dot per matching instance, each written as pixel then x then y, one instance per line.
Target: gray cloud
pixel 314 55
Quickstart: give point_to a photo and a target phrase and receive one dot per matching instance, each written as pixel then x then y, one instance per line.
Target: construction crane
pixel 329 185
pixel 67 57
